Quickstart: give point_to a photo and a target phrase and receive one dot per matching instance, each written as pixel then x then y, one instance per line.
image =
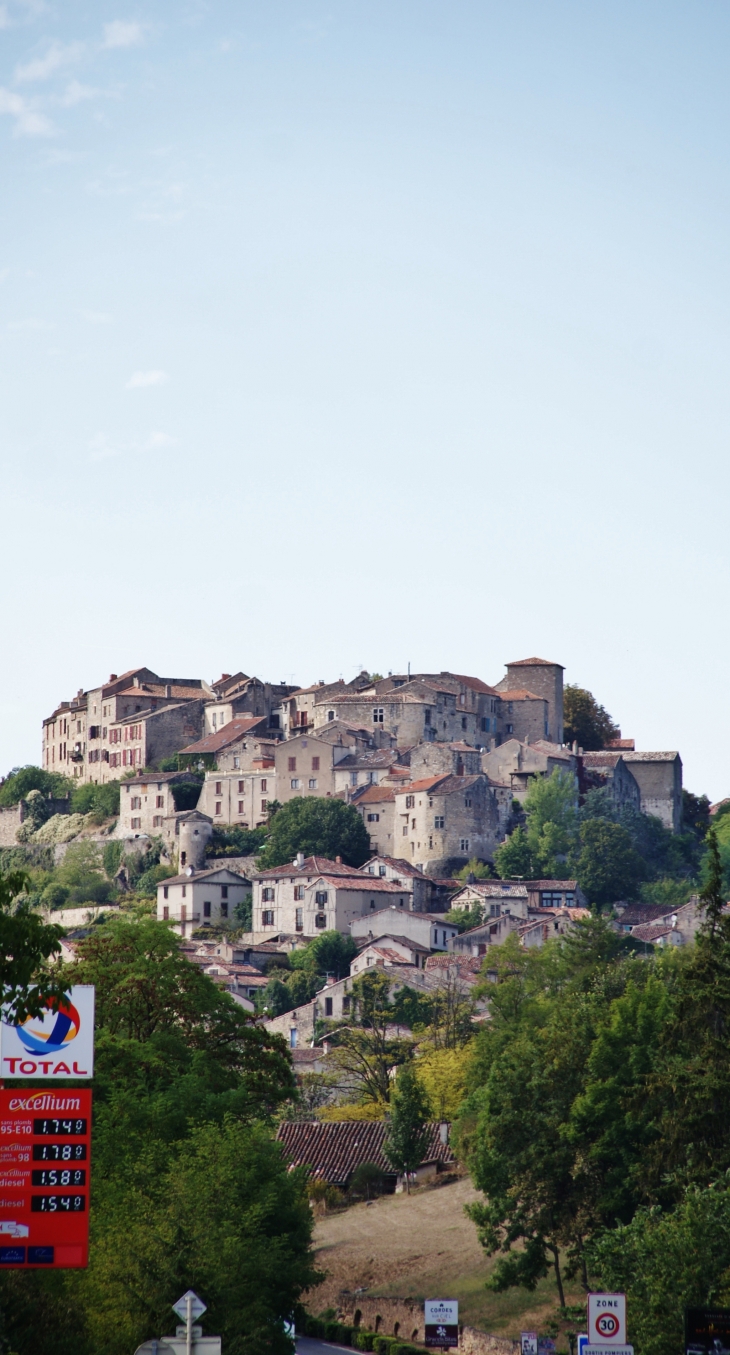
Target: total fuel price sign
pixel 45 1161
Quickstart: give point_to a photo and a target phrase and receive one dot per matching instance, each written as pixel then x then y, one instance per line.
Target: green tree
pixel 18 784
pixel 82 873
pixel 100 800
pixel 607 867
pixel 479 870
pixel 26 945
pixel 407 1134
pixel 366 1050
pixel 316 827
pixel 466 918
pixel 330 953
pixel 584 721
pixel 514 859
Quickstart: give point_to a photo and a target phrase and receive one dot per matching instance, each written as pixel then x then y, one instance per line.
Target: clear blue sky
pixel 352 334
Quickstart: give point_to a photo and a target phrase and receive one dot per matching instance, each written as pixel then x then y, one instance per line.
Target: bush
pixel 101 801
pixel 316 827
pixel 54 896
pixel 363 1340
pixel 22 780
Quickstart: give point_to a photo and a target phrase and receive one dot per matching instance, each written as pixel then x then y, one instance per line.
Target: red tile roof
pixel 230 733
pixel 396 863
pixel 373 795
pixel 311 866
pixel 334 1149
pixel 533 663
pixel 519 694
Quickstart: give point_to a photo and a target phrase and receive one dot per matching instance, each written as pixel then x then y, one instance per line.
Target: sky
pixel 343 335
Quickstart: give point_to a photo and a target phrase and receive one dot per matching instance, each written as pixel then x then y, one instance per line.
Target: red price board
pixel 45 1164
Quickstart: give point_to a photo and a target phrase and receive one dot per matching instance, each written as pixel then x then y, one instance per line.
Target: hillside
pixel 417 1247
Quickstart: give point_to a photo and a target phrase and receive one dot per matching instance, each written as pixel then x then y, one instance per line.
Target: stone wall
pixel 10 821
pixel 400 1317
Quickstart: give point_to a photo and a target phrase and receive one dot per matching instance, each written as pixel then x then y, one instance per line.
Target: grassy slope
pixel 423 1247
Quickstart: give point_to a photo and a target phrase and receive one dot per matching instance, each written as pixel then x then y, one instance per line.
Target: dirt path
pixel 417 1247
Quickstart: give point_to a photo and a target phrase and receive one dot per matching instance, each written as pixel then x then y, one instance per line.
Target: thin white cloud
pixel 43 67
pixel 28 121
pixel 76 93
pixel 121 34
pixel 140 380
pixel 102 447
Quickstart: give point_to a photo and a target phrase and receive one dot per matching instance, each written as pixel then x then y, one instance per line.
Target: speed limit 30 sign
pixel 606 1319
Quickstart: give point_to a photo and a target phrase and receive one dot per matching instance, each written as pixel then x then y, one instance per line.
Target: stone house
pixel 332 1151
pixel 363 767
pixel 554 894
pixel 659 777
pixel 145 802
pixel 492 932
pixel 200 898
pixel 444 759
pixel 305 765
pixel 296 711
pixel 608 770
pixel 313 895
pixel 544 928
pixel 443 821
pixel 89 737
pixel 236 744
pixel 404 716
pixel 515 762
pixel 525 715
pixel 541 679
pixel 240 798
pixel 402 873
pixel 376 806
pixel 390 950
pixel 238 695
pixel 495 897
pixel 429 930
pixel 656 925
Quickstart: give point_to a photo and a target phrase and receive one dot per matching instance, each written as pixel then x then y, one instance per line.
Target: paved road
pixel 308 1345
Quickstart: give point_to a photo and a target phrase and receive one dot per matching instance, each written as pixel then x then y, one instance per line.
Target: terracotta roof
pixel 604 758
pixel 369 795
pixel 426 784
pixel 402 941
pixel 476 683
pixel 628 745
pixel 519 694
pixel 370 884
pixel 638 913
pixel 495 889
pixel 441 785
pixel 311 865
pixel 332 1150
pixel 651 931
pixel 230 733
pixel 470 963
pixel 533 663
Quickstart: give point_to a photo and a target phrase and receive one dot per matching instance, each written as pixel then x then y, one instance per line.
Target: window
pixel 296 783
pixel 321 896
pixel 484 723
pixel 405 830
pixel 299 919
pixel 438 821
pixel 553 900
pixel 264 784
pixel 158 821
pixel 378 715
pixel 160 802
pixel 410 801
pixel 427 716
pixel 218 807
pixel 312 783
pixel 292 764
pixel 495 910
pixel 413 824
pixel 165 891
pixel 328 1006
pixel 509 729
pixel 183 912
pixel 353 778
pixel 264 806
pixel 345 1004
pixel 315 764
pixel 430 842
pixel 267 894
pixel 320 921
pixel 219 787
pixel 184 888
pixel 206 908
pixel 136 823
pixel 467 803
pixel 373 818
pixel 330 715
pixel 136 802
pixel 463 722
pixel 240 807
pixel 267 917
pixel 224 910
pixel 465 844
pixel 299 891
pixel 166 913
pixel 240 788
pixel 293 1037
pixel 236 761
pixel 224 891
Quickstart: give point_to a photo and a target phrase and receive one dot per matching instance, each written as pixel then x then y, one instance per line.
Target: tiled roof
pixel 401 940
pixel 638 913
pixel 627 745
pixel 651 931
pixel 369 795
pixel 396 863
pixel 469 963
pixel 440 785
pixel 426 784
pixel 311 866
pixel 201 875
pixel 519 694
pixel 367 883
pixel 368 757
pixel 604 758
pixel 476 683
pixel 555 885
pixel 496 889
pixel 230 733
pixel 533 663
pixel 650 757
pixel 332 1150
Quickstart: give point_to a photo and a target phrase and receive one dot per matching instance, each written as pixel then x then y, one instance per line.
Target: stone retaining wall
pixel 401 1317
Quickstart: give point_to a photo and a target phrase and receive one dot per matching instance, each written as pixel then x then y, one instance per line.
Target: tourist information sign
pixel 441 1322
pixel 45 1163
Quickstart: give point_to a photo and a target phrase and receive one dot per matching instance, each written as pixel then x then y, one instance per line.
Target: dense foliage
pixel 190 1188
pixel 22 780
pixel 316 827
pixel 585 722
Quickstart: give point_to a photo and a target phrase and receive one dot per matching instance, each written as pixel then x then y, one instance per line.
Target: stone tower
pixel 544 679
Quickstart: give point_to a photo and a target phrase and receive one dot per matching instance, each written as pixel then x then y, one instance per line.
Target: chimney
pixel 168 689
pixel 338 860
pixel 112 677
pixel 299 861
pixel 444 1133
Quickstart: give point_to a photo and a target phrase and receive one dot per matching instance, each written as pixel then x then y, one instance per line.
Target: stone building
pixel 404 716
pixel 146 801
pixel 659 777
pixel 400 872
pixel 376 807
pixel 313 895
pixel 609 770
pixel 238 695
pixel 514 763
pixel 235 746
pixel 443 821
pixel 200 898
pixel 540 678
pixel 429 930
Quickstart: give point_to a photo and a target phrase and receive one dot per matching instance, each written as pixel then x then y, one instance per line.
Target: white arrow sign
pixel 197 1307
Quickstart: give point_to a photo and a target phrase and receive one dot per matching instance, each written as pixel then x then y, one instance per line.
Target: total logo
pixel 58 1043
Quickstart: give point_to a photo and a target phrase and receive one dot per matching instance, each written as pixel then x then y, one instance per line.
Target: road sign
pixel 197 1307
pixel 441 1322
pixel 582 1342
pixel 608 1350
pixel 45 1163
pixel 607 1319
pixel 528 1342
pixel 154 1348
pixel 707 1331
pixel 59 1043
pixel 202 1345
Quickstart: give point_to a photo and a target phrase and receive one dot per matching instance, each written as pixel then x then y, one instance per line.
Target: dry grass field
pixel 422 1246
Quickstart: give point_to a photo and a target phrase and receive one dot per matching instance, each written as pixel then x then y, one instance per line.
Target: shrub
pixel 363 1340
pixel 54 896
pixel 21 780
pixel 101 801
